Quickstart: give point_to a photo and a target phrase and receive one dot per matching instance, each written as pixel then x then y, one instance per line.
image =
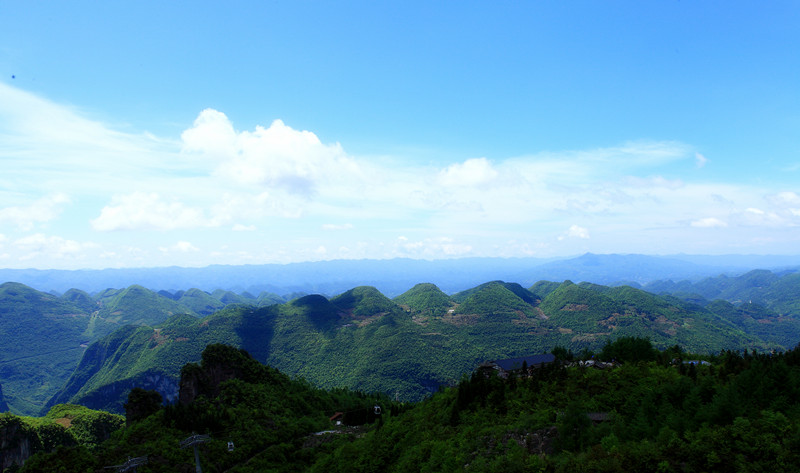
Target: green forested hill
pixel 364 301
pixel 80 299
pixel 736 413
pixel 40 342
pixel 496 297
pixel 779 292
pixel 62 428
pixel 760 302
pixel 425 299
pixel 200 302
pixel 650 413
pixel 257 420
pixel 138 306
pixel 149 357
pixel 363 340
pixel 42 336
pixel 359 339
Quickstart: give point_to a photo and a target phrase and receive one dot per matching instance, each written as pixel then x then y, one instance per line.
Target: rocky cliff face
pixel 18 441
pixel 205 380
pixel 110 397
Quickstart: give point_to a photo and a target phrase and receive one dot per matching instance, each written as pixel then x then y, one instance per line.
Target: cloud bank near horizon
pixel 76 192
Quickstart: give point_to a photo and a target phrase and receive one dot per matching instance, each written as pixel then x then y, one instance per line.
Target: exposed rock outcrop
pixel 18 441
pixel 110 396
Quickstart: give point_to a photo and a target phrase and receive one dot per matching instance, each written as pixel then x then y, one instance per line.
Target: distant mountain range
pixel 395 276
pixel 91 348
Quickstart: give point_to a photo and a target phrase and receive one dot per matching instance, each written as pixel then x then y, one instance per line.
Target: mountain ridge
pixel 363 340
pixel 394 276
pixel 491 320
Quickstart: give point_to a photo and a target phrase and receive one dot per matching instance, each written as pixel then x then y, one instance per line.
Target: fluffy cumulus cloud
pixel 147 211
pixel 42 210
pixel 278 156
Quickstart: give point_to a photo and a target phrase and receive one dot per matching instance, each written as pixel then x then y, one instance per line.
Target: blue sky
pixel 195 133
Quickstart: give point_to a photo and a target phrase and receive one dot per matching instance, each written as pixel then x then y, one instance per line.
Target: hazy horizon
pixel 153 135
pixel 792 259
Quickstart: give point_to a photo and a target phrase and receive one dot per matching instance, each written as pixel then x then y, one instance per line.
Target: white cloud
pixel 147 211
pixel 335 227
pixel 212 135
pixel 630 155
pixel 185 246
pixel 47 146
pixel 470 173
pixel 241 205
pixel 40 245
pixel 276 157
pixel 700 160
pixel 575 231
pixel 180 247
pixel 432 248
pixel 42 210
pixel 756 217
pixel 785 198
pixel 787 202
pixel 708 222
pixel 219 179
pixel 653 182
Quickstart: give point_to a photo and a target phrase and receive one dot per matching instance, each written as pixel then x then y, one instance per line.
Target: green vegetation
pixel 778 293
pixel 268 417
pixel 362 340
pixel 200 302
pixel 654 411
pixel 138 306
pixel 739 413
pixel 64 426
pixel 364 301
pixel 43 337
pixel 40 344
pixel 359 339
pixel 495 298
pixel 425 299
